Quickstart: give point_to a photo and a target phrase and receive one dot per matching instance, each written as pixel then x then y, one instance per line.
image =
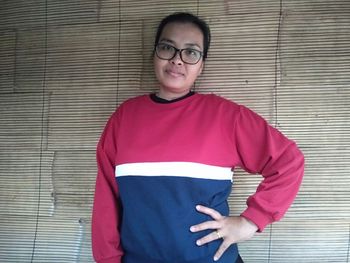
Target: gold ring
pixel 218 234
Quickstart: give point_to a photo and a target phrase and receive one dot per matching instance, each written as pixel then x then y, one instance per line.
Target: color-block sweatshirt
pixel 156 162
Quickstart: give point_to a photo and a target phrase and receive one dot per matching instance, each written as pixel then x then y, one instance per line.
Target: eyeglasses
pixel 187 55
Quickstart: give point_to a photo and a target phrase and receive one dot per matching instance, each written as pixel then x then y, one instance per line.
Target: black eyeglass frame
pixel 177 50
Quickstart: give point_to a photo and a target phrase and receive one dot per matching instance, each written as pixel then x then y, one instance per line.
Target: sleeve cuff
pixel 257 217
pixel 117 259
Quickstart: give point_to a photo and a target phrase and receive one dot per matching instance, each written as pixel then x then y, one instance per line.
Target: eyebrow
pixel 186 44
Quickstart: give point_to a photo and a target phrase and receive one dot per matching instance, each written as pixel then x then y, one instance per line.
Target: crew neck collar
pixel 157 99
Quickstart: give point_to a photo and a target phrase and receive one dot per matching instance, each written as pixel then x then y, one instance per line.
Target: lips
pixel 174 73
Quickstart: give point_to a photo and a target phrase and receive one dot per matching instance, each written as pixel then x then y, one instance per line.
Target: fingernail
pixel 192 229
pixel 198 207
pixel 198 243
pixel 216 258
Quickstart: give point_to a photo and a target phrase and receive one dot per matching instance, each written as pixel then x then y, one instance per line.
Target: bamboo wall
pixel 65 66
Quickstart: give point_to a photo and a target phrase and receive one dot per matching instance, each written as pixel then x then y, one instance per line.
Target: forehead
pixel 183 33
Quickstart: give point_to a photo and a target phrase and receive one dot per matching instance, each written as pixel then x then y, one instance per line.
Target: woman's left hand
pixel 231 229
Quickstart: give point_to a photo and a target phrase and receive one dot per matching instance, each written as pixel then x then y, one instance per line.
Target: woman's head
pixel 189 19
pixel 181 46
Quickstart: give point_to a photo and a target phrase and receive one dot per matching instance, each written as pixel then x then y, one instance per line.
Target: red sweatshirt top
pixel 157 161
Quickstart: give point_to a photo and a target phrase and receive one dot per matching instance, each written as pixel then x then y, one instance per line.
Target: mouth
pixel 174 73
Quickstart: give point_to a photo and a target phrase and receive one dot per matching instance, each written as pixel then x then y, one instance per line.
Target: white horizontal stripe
pixel 181 169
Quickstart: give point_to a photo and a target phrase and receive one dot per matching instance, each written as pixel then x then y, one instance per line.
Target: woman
pixel 165 165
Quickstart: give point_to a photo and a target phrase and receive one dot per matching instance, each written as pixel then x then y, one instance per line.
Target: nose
pixel 177 59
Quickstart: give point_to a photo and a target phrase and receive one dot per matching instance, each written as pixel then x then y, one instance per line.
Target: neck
pixel 171 96
pixel 157 99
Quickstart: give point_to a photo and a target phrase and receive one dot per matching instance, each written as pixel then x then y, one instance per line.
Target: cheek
pixel 158 65
pixel 195 72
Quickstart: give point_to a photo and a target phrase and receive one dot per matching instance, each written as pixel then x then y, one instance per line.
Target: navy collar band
pixel 157 99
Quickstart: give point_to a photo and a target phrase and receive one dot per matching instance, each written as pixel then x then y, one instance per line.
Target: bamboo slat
pixel 72 12
pixel 22 14
pixel 7 60
pixel 20 172
pixel 155 9
pixel 304 241
pixel 65 242
pixel 76 119
pixel 76 171
pixel 21 120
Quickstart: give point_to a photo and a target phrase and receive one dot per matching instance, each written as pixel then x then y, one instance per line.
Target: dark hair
pixel 183 17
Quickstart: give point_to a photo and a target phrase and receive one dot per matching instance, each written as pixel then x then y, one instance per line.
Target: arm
pixel 260 149
pixel 106 244
pixel 263 149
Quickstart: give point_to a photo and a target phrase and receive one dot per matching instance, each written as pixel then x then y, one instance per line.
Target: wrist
pixel 250 224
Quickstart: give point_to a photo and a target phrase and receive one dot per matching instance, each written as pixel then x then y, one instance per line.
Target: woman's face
pixel 176 77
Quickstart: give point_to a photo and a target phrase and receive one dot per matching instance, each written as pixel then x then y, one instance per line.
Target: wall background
pixel 65 66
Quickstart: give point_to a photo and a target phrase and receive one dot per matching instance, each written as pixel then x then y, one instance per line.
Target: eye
pixel 191 52
pixel 165 47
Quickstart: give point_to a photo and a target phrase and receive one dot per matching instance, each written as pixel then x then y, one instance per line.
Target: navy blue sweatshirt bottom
pixel 239 259
pixel 231 255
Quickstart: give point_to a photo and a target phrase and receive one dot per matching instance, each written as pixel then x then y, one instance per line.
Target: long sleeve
pixel 263 149
pixel 106 245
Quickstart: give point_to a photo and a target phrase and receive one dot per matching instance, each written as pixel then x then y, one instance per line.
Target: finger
pixel 208 238
pixel 204 226
pixel 223 247
pixel 209 211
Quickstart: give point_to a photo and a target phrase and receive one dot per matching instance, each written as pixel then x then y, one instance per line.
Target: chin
pixel 173 88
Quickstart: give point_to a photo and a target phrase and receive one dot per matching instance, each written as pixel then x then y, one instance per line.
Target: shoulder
pixel 226 107
pixel 127 105
pixel 131 102
pixel 219 101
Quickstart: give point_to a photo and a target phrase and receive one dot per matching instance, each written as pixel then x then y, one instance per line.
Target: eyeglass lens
pixel 187 55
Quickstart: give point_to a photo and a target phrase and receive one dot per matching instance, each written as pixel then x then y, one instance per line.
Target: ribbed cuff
pixel 257 217
pixel 117 259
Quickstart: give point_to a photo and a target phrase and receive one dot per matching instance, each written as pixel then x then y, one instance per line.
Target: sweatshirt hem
pixel 229 256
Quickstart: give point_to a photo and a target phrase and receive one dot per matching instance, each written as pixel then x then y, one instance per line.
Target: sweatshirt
pixel 156 162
